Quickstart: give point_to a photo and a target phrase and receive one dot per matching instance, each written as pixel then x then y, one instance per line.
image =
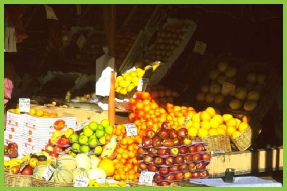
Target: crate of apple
pixel 172 156
pixel 91 138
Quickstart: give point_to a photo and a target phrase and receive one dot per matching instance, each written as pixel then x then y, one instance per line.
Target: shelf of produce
pixel 247 162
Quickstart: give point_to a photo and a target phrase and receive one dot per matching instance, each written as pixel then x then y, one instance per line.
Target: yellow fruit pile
pixel 128 81
pixel 209 123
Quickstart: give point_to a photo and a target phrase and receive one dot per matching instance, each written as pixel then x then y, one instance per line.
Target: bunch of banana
pixel 94 183
pixel 12 162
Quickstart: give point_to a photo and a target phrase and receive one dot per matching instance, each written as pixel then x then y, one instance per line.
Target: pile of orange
pixel 42 113
pixel 126 160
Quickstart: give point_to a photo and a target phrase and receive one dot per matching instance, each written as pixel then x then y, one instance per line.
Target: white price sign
pixel 81 181
pixel 131 129
pixel 24 104
pixel 146 178
pixel 81 41
pixel 48 173
pixel 81 125
pixel 228 88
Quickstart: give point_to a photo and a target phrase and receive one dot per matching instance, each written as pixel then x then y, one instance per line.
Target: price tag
pixel 131 129
pixel 50 13
pixel 143 82
pixel 228 88
pixel 146 178
pixel 24 105
pixel 81 181
pixel 81 125
pixel 199 47
pixel 81 41
pixel 185 121
pixel 48 172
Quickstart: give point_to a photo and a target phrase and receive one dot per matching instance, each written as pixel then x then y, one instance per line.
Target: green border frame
pixel 141 2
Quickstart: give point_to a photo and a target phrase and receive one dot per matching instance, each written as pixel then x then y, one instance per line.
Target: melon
pixel 97 173
pixel 63 175
pixel 38 171
pixel 80 172
pixel 83 161
pixel 67 161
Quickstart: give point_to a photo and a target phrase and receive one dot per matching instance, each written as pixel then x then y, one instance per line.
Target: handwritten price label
pixel 199 47
pixel 228 88
pixel 146 178
pixel 48 172
pixel 24 104
pixel 81 41
pixel 131 129
pixel 81 125
pixel 81 181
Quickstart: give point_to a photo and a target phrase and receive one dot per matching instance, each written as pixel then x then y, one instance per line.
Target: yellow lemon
pixel 126 84
pixel 231 123
pixel 119 78
pixel 188 124
pixel 238 121
pixel 221 131
pixel 214 123
pixel 196 124
pixel 211 110
pixel 118 89
pixel 218 118
pixel 32 111
pixel 230 130
pixel 222 126
pixel 192 132
pixel 130 87
pixel 205 124
pixel 202 132
pixel 205 116
pixel 17 110
pixel 135 80
pixel 242 126
pixel 123 91
pixel 121 83
pixel 235 134
pixel 128 78
pixel 140 72
pixel 226 117
pixel 212 132
pixel 196 117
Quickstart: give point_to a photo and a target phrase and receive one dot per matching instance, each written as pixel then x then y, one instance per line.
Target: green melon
pixel 67 161
pixel 63 175
pixel 80 172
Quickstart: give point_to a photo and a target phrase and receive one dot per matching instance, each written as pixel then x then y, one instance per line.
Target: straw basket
pixel 216 143
pixel 246 138
pixel 15 180
pixel 44 183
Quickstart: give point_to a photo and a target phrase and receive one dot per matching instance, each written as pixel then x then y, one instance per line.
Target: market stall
pixel 140 100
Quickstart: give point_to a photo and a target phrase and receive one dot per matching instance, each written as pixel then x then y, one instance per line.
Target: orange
pixel 40 113
pixel 32 111
pixel 246 118
pixel 145 95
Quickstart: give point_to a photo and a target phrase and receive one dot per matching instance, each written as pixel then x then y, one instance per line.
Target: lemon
pixel 221 131
pixel 121 83
pixel 130 87
pixel 212 132
pixel 214 123
pixel 135 80
pixel 218 118
pixel 202 132
pixel 211 110
pixel 119 78
pixel 196 117
pixel 140 72
pixel 235 134
pixel 123 91
pixel 128 78
pixel 196 124
pixel 242 126
pixel 205 116
pixel 133 74
pixel 192 131
pixel 126 84
pixel 231 123
pixel 226 117
pixel 205 124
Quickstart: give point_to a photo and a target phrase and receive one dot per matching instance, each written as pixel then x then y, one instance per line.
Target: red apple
pixel 187 175
pixel 158 177
pixel 151 168
pixel 200 148
pixel 182 150
pixel 177 141
pixel 187 158
pixel 178 176
pixel 162 133
pixel 57 149
pixel 14 169
pixel 166 125
pixel 196 174
pixel 158 161
pixel 174 151
pixel 152 151
pixel 169 160
pixel 27 171
pixel 146 141
pixel 179 159
pixel 13 145
pixel 141 151
pixel 204 174
pixel 192 166
pixel 5 148
pixel 150 133
pixel 200 165
pixel 169 177
pixel 192 149
pixel 156 143
pixel 172 133
pixel 164 183
pixel 142 166
pixel 174 168
pixel 53 154
pixel 147 159
pixel 196 157
pixel 205 156
pixel 62 142
pixel 162 151
pixel 182 132
pixel 163 170
pixel 13 153
pixel 168 142
pixel 183 167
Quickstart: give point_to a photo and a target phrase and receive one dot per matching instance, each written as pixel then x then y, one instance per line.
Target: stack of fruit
pixel 212 92
pixel 247 96
pixel 35 112
pixel 162 95
pixel 172 156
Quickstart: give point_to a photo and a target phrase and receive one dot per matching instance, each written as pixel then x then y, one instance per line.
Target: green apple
pixel 102 140
pixel 101 127
pixel 88 132
pixel 76 147
pixel 109 129
pixel 93 136
pixel 74 138
pixel 93 125
pixel 98 150
pixel 93 142
pixel 84 149
pixel 105 122
pixel 72 153
pixel 100 133
pixel 83 139
pixel 82 133
pixel 86 127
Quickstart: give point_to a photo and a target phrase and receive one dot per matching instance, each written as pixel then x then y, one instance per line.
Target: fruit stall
pixel 138 100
